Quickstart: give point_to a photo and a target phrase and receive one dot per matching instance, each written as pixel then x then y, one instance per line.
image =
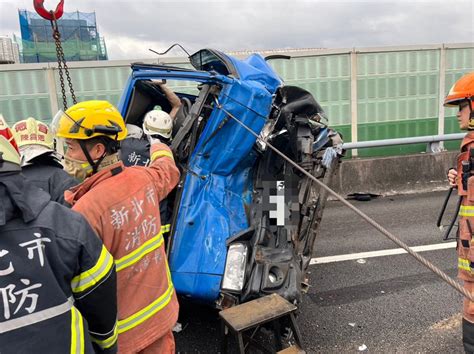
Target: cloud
pixel 129 48
pixel 131 27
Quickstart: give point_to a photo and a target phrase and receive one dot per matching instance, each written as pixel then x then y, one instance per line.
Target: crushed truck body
pixel 244 220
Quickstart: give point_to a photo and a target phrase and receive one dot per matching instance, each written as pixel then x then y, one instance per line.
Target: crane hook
pixel 49 15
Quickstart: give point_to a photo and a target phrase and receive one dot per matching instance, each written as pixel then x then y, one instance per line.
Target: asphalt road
pixel 387 304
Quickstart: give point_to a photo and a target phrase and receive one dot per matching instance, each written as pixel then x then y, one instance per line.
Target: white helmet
pixel 34 138
pixel 31 131
pixel 134 131
pixel 158 123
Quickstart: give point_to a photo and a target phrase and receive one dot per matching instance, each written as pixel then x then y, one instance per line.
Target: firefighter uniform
pixel 461 95
pixel 122 205
pixel 136 152
pixel 48 174
pixel 466 226
pixel 40 163
pixel 57 280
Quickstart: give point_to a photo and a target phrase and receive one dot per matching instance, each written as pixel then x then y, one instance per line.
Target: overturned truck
pixel 244 220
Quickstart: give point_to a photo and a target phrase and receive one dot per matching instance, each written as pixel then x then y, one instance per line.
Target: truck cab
pixel 244 219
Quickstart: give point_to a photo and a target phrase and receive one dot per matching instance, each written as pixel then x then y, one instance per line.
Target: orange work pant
pixel 164 345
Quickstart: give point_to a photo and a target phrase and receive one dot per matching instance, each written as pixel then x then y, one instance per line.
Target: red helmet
pixel 462 90
pixel 9 154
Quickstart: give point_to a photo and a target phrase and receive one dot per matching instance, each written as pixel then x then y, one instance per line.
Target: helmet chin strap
pixel 471 114
pixel 95 165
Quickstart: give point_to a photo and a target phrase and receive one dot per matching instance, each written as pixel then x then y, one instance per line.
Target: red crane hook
pixel 49 15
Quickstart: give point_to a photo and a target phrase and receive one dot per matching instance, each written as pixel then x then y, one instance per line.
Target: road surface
pixel 379 300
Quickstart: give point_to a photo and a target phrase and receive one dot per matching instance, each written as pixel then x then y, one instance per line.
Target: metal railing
pixel 433 141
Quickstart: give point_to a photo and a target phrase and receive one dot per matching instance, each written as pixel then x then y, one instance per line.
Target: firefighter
pixel 57 280
pixel 122 205
pixel 462 96
pixel 39 161
pixel 159 123
pixel 135 148
pixel 157 126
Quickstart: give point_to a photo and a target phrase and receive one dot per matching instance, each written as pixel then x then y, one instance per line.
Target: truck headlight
pixel 235 264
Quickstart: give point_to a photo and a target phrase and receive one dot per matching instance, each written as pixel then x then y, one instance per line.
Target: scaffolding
pixel 79 36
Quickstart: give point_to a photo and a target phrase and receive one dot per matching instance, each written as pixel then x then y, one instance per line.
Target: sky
pixel 132 27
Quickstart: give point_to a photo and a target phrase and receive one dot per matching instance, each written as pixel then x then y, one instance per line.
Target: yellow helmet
pixel 90 119
pixel 32 132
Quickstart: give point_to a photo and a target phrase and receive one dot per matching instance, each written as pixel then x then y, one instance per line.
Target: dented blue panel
pixel 216 190
pixel 257 70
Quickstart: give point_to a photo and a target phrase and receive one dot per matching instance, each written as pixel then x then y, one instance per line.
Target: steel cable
pixel 372 222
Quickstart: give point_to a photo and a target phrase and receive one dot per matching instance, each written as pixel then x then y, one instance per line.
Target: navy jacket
pixel 46 173
pixel 57 281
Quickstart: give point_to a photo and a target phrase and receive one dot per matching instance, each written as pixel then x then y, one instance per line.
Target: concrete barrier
pixel 395 175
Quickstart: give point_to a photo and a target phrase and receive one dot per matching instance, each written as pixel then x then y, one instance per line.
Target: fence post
pixel 52 91
pixel 442 92
pixel 354 100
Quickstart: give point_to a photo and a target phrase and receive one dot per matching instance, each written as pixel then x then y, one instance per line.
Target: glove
pixel 329 155
pixel 452 177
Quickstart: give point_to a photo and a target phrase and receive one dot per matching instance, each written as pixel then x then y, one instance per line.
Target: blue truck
pixel 244 220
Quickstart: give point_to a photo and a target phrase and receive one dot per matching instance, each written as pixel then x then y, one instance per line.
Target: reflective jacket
pixel 122 205
pixel 57 280
pixel 46 173
pixel 465 246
